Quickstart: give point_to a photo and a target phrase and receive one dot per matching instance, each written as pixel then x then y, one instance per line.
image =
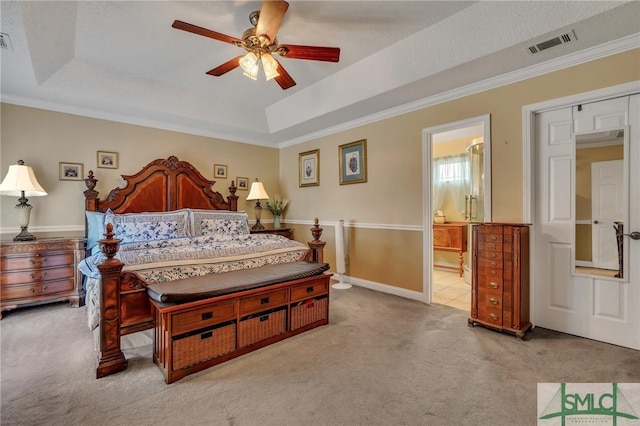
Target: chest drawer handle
pixel 437 237
pixel 493 300
pixel 38 275
pixel 493 317
pixel 33 290
pixel 494 255
pixel 264 318
pixel 207 315
pixel 494 238
pixel 309 289
pixel 494 264
pixel 39 261
pixel 264 300
pixel 493 272
pixel 206 335
pixel 493 285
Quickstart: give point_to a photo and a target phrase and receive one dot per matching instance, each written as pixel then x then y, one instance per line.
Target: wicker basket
pixel 203 346
pixel 261 326
pixel 308 311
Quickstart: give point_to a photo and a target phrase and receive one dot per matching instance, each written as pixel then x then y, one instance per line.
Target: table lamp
pixel 20 181
pixel 258 193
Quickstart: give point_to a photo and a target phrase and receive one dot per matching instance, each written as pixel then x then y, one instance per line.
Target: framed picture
pixel 71 171
pixel 107 160
pixel 242 183
pixel 353 162
pixel 220 171
pixel 309 168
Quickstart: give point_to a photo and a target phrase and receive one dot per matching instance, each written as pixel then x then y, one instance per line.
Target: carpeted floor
pixel 383 360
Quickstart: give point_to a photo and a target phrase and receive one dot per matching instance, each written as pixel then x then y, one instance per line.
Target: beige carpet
pixel 383 360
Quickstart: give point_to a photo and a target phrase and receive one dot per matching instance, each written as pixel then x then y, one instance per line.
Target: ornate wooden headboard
pixel 162 185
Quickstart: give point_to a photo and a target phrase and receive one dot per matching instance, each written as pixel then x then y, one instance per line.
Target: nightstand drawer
pixel 37 261
pixel 36 275
pixel 263 302
pixel 39 289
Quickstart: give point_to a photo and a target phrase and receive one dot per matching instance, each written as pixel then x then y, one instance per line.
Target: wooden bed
pixel 163 185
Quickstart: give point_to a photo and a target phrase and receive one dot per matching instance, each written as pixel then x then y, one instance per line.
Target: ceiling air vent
pixel 556 41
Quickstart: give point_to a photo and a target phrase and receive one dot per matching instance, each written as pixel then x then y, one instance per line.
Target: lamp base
pixel 341 286
pixel 24 235
pixel 257 227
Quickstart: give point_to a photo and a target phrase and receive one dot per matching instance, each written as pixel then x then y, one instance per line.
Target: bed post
pixel 91 195
pixel 317 246
pixel 233 198
pixel 112 359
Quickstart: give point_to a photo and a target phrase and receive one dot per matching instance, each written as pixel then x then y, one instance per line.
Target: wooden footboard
pixel 124 304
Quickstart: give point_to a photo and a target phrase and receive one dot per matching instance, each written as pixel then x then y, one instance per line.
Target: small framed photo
pixel 309 168
pixel 242 183
pixel 220 171
pixel 353 162
pixel 71 171
pixel 107 160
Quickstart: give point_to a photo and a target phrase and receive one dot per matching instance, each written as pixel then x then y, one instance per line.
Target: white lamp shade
pixel 21 178
pixel 270 66
pixel 249 64
pixel 257 192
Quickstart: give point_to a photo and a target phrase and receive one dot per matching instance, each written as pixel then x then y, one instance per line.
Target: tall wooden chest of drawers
pixel 500 279
pixel 41 271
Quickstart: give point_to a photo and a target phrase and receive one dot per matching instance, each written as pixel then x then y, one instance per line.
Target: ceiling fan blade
pixel 226 67
pixel 270 17
pixel 314 53
pixel 204 32
pixel 284 79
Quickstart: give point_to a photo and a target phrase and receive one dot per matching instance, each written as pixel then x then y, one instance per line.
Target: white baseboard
pixel 385 288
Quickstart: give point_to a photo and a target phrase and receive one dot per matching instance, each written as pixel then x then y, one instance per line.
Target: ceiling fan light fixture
pixel 249 65
pixel 270 66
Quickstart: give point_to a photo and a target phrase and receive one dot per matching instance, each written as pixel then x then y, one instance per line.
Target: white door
pixel 606 211
pixel 588 306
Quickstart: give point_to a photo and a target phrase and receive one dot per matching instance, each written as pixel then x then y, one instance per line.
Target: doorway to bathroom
pixel 457 192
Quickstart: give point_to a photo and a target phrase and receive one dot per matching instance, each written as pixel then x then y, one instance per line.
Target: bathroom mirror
pixel 601 204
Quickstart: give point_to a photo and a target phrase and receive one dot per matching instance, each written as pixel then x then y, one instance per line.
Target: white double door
pixel 602 309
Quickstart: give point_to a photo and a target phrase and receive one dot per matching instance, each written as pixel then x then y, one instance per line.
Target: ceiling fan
pixel 261 44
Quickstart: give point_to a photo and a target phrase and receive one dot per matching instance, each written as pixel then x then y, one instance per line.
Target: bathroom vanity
pixel 451 237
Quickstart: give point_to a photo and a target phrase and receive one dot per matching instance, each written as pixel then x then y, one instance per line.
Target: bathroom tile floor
pixel 451 290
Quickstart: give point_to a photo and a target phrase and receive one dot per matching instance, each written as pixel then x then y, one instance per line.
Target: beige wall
pixel 383 215
pixel 43 139
pixel 393 197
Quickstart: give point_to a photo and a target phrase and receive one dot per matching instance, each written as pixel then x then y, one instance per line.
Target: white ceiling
pixel 122 60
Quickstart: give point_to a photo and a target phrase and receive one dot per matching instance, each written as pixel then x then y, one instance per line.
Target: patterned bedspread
pixel 168 260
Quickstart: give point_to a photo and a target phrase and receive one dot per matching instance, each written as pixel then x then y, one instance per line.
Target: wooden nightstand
pixel 41 271
pixel 285 232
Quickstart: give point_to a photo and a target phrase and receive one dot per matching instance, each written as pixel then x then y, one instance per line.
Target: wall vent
pixel 552 42
pixel 5 41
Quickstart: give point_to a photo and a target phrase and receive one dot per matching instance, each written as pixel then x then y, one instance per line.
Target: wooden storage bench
pixel 198 334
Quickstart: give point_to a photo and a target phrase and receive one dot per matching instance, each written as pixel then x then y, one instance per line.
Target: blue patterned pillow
pixel 136 227
pixel 219 222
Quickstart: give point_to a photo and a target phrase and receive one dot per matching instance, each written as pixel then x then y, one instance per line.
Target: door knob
pixel 635 235
pixel 596 222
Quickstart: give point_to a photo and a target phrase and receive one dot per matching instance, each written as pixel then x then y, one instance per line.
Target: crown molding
pixel 602 51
